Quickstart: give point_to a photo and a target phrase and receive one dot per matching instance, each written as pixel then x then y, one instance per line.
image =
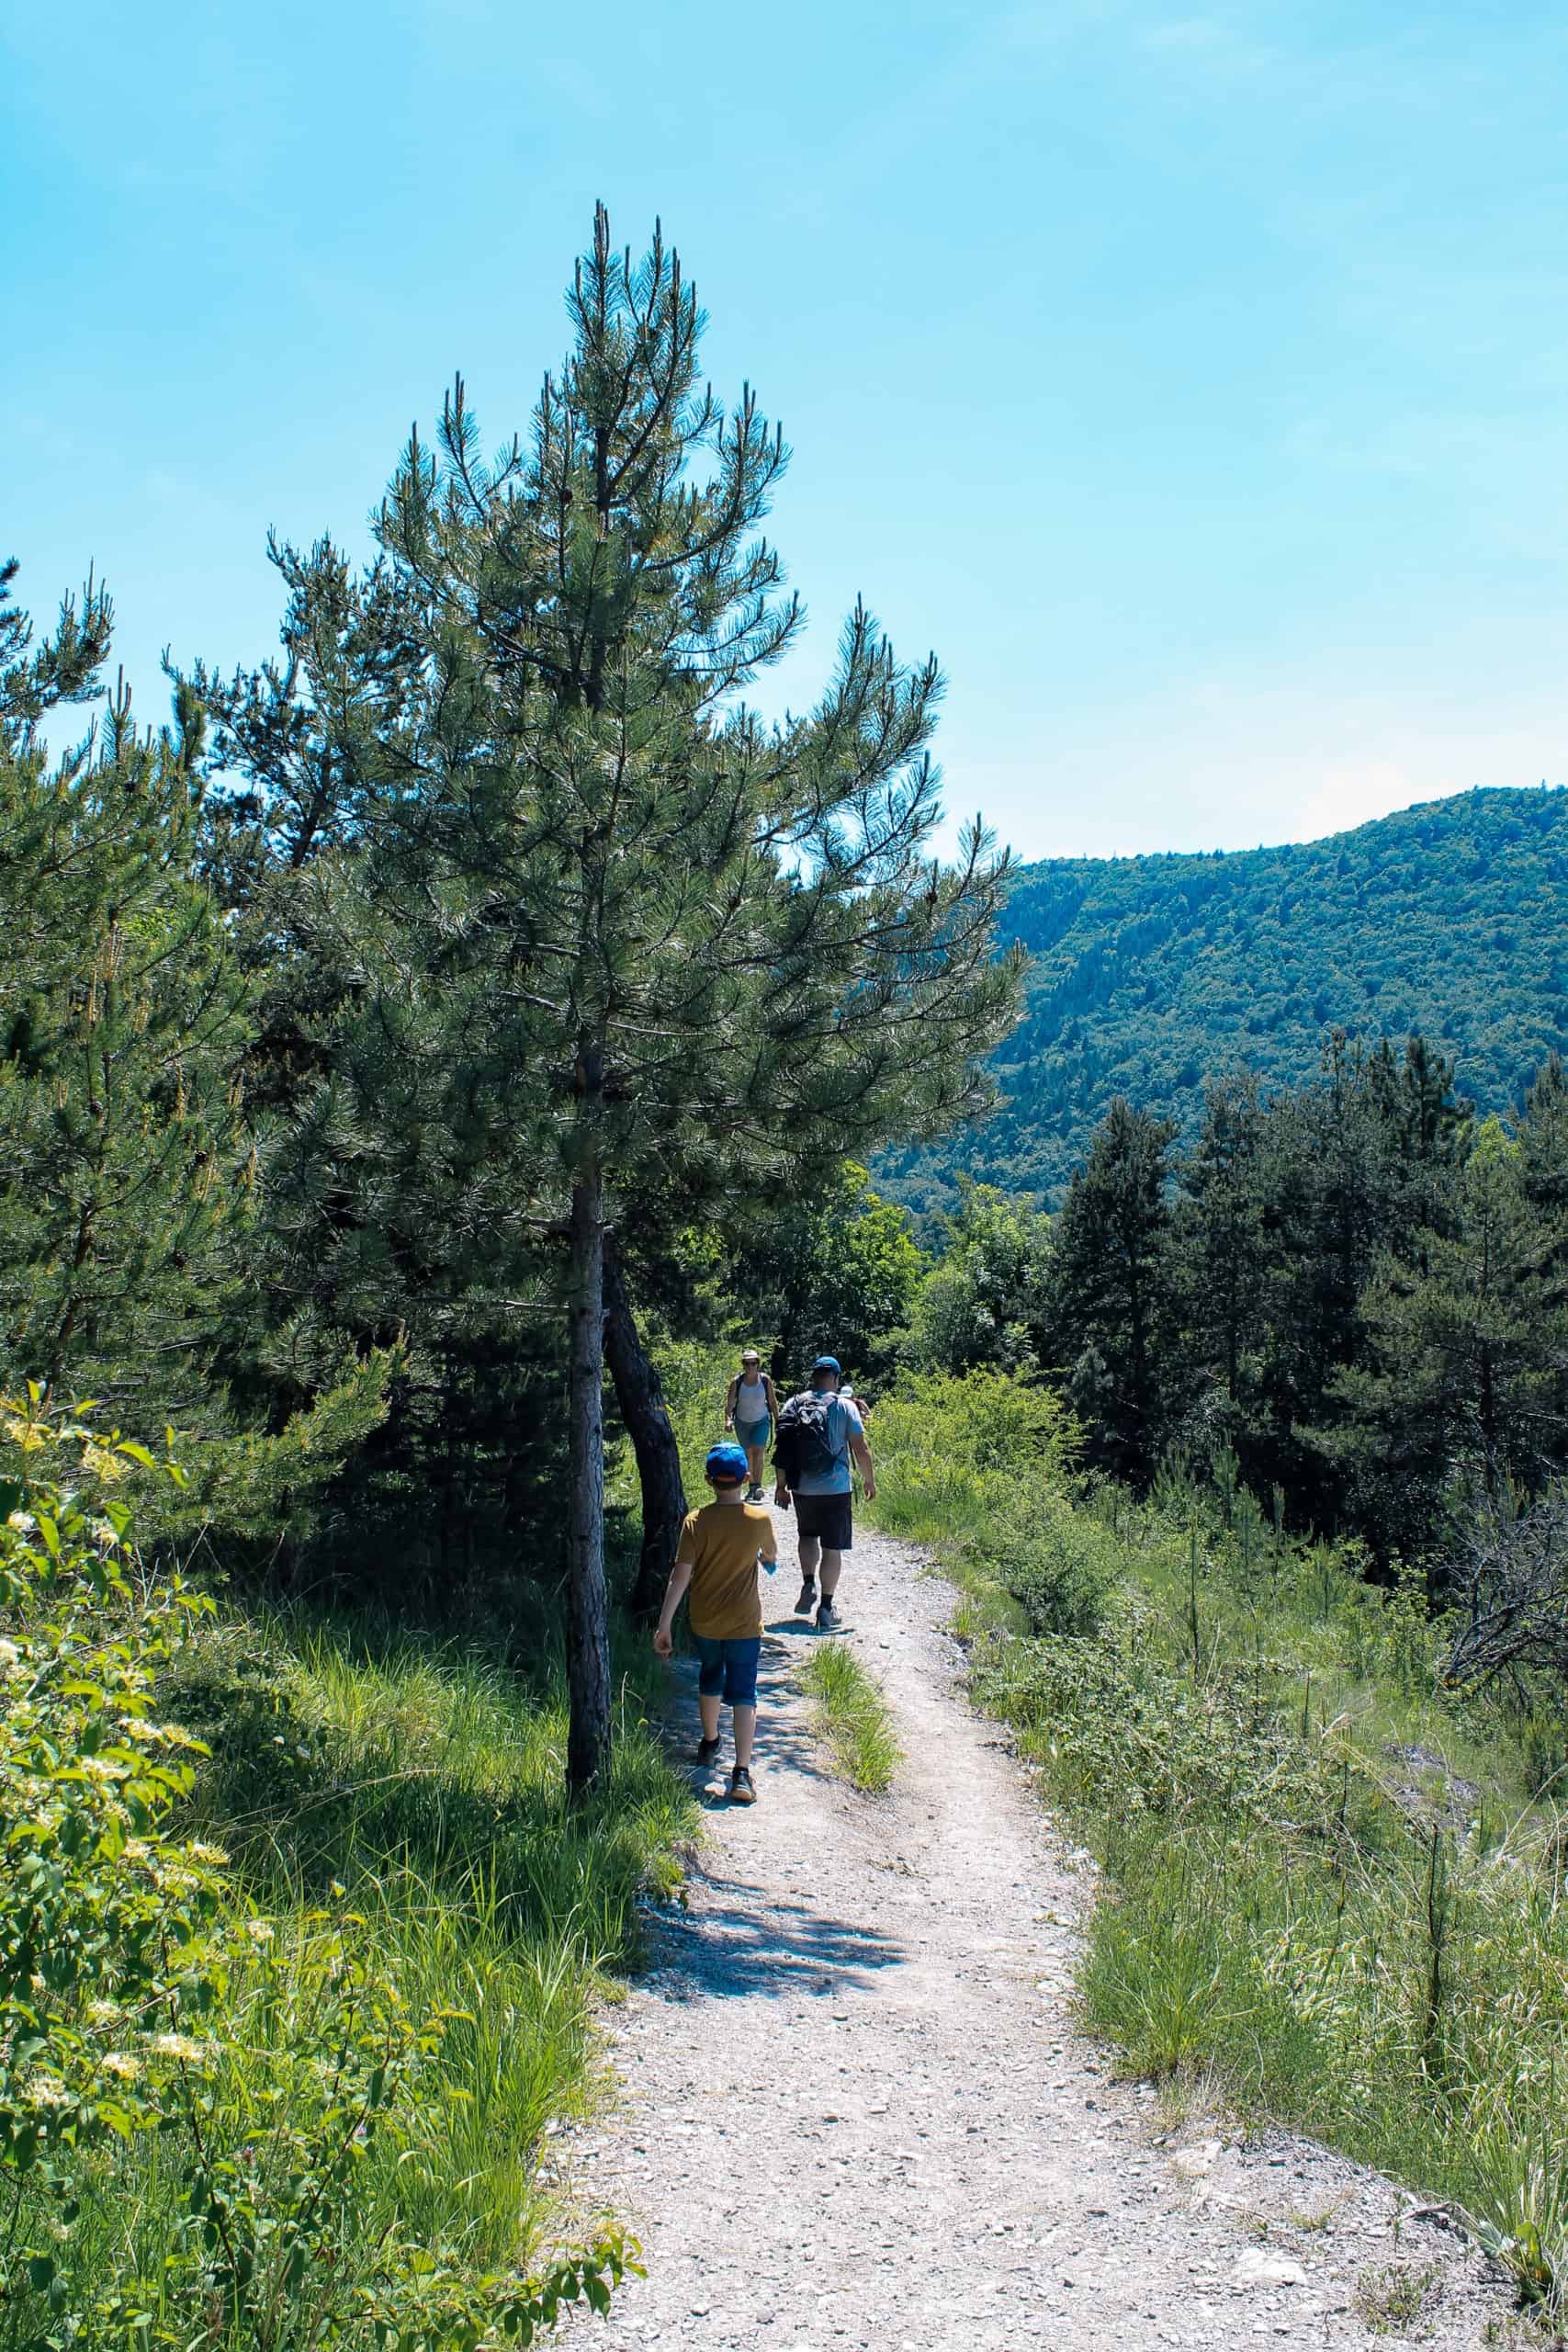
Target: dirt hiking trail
pixel 856 2112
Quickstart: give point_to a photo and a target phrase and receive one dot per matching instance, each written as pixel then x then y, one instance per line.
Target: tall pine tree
pixel 124 1159
pixel 1113 1289
pixel 1459 1398
pixel 615 935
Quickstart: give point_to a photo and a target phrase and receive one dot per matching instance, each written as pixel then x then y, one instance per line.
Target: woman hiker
pixel 751 1409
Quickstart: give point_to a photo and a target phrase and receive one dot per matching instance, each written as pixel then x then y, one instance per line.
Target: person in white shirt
pixel 751 1410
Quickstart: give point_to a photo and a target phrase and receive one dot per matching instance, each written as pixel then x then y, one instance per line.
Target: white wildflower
pixel 179 2045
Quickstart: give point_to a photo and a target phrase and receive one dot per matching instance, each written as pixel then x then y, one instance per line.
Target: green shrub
pixel 274 2129
pixel 1115 1713
pixel 980 1421
pixel 981 1467
pixel 1060 1566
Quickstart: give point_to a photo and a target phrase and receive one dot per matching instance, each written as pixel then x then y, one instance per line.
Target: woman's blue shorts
pixel 729 1669
pixel 754 1433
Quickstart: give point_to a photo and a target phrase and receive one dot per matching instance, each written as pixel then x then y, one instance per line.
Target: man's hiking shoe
pixel 808 1602
pixel 706 1750
pixel 828 1619
pixel 741 1789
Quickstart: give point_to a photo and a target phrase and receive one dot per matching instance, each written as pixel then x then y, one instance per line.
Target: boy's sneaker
pixel 741 1789
pixel 828 1619
pixel 706 1750
pixel 808 1602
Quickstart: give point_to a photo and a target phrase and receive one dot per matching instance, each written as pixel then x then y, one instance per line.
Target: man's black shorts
pixel 827 1517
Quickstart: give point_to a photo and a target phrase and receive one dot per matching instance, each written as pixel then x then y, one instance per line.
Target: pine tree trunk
pixel 639 1393
pixel 587 1614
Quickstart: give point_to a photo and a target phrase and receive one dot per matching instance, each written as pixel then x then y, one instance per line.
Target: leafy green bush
pixel 983 1423
pixel 224 2127
pixel 1058 1565
pixel 1098 1712
pixel 981 1465
pixel 105 1919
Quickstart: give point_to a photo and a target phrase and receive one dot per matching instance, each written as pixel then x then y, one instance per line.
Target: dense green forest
pixel 1349 1298
pixel 1152 975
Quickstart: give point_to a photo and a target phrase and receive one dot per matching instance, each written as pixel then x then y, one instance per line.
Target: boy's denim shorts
pixel 729 1669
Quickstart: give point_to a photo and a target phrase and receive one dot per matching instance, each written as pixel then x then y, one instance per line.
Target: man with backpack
pixel 818 1431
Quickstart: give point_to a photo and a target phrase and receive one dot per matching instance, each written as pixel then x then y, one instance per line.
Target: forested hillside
pixel 1153 974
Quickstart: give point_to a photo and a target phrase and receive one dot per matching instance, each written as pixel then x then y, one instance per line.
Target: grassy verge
pixel 1332 1886
pixel 289 2009
pixel 853 1716
pixel 394 1820
pixel 341 1759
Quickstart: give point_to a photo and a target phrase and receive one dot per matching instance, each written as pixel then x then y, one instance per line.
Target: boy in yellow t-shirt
pixel 718 1556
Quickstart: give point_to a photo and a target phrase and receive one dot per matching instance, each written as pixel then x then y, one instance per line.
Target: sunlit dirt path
pixel 856 2112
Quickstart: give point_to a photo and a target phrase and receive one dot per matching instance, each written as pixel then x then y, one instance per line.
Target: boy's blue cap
pixel 826 1364
pixel 726 1463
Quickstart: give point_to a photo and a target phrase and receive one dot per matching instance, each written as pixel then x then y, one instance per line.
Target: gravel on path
pixel 856 2113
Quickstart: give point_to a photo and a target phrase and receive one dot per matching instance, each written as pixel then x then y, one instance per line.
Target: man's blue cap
pixel 726 1463
pixel 826 1364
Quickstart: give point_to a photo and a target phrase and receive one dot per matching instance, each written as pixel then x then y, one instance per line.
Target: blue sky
pixel 1196 383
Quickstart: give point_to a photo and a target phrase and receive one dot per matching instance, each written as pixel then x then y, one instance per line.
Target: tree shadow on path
pixel 739 1938
pixel 745 1940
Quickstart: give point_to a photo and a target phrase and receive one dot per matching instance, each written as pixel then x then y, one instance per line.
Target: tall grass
pixel 1333 1884
pixel 339 1756
pixel 855 1718
pixel 392 1813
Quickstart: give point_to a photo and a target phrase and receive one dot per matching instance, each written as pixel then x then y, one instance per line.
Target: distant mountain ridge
pixel 1153 974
